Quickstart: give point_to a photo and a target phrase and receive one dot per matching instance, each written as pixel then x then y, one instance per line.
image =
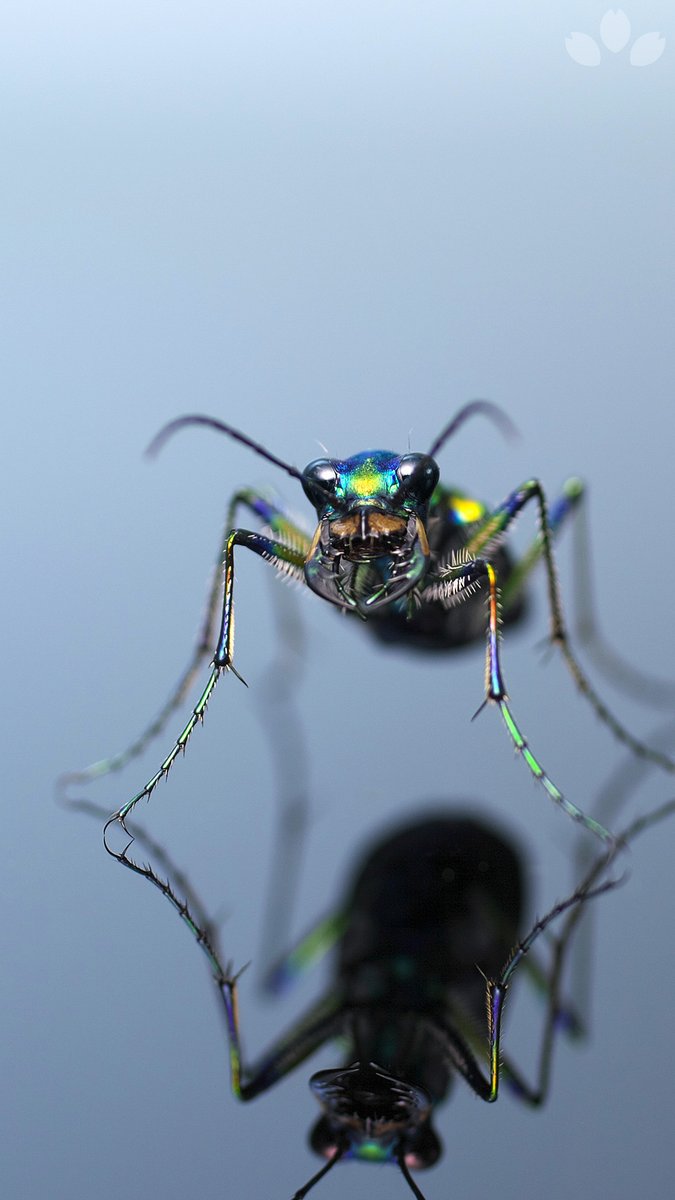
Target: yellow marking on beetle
pixel 366 482
pixel 468 510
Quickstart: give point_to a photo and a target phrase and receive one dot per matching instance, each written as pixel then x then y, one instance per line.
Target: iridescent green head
pixel 392 482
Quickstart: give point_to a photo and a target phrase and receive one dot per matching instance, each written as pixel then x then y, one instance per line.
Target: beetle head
pixel 373 1116
pixel 370 547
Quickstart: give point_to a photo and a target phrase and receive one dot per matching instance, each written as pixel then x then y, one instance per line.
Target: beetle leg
pixel 488 533
pixel 273 552
pixel 496 693
pixel 280 524
pixel 594 884
pixel 324 1020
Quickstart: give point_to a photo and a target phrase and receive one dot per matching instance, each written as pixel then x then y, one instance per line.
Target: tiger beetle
pixel 426 934
pixel 405 553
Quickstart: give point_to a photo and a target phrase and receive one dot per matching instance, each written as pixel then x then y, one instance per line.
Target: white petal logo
pixel 615 30
pixel 647 49
pixel 615 35
pixel 583 49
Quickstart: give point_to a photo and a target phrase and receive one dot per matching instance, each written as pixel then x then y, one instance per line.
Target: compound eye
pixel 423 1149
pixel 320 478
pixel 407 467
pixel 322 1138
pixel 418 474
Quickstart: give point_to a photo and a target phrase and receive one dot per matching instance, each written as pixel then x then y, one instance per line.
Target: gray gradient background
pixel 322 222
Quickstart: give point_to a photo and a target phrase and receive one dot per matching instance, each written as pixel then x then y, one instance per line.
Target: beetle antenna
pixel 320 1174
pixel 167 431
pixel 408 1178
pixel 488 409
